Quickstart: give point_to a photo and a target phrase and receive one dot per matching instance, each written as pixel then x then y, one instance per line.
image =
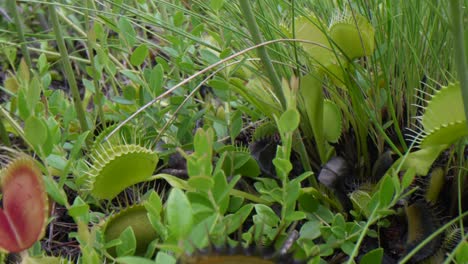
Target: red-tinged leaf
pixel 25 206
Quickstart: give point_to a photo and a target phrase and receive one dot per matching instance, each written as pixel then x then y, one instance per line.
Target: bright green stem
pixel 460 53
pixel 19 28
pixel 369 222
pixel 262 52
pixel 80 112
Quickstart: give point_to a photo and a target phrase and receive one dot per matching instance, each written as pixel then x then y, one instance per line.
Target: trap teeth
pixel 119 167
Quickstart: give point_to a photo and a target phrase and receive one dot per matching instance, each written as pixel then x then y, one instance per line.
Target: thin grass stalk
pixel 80 112
pixel 46 52
pixel 366 227
pixel 91 42
pixel 439 231
pixel 262 52
pixel 456 11
pixel 204 70
pixel 19 29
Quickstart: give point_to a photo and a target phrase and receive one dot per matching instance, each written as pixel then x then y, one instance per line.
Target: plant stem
pixel 90 46
pixel 262 52
pixel 80 112
pixel 456 11
pixel 19 29
pixel 369 222
pixel 408 257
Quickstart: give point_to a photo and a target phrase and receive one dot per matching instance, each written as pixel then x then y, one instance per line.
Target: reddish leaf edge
pixel 8 173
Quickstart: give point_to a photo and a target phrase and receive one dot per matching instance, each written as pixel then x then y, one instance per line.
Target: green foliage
pixel 440 129
pixel 159 167
pixel 373 256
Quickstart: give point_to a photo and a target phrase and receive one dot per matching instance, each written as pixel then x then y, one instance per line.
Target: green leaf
pixel 43 260
pixel 179 213
pixel 178 18
pixel 235 203
pixel 216 5
pixel 158 226
pixel 203 142
pixel 234 221
pixel 139 55
pixel 34 92
pixel 347 247
pixel 265 215
pixel 127 246
pixel 163 258
pixel 408 177
pixel 295 216
pixel 219 192
pixel 127 31
pixel 78 145
pixel 198 232
pixel 310 230
pixel 23 72
pixel 156 79
pixel 23 106
pixel 289 121
pixel 331 121
pixel 133 76
pixel 79 209
pixel 387 190
pixel 42 64
pixel 55 192
pixel 283 166
pixel 292 191
pixel 236 124
pixel 202 183
pixel 308 202
pixel 154 204
pixel 35 131
pixel 462 253
pixel 373 256
pixel 135 260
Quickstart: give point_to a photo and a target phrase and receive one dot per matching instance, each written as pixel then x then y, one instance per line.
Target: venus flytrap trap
pixel 348 37
pixel 23 217
pixel 132 229
pixel 117 167
pixel 438 129
pixel 25 205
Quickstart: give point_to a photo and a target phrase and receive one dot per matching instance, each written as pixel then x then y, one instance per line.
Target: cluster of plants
pixel 233 132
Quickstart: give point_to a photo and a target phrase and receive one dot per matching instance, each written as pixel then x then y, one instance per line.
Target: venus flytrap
pixel 132 229
pixel 118 167
pixel 439 129
pixel 25 205
pixel 349 36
